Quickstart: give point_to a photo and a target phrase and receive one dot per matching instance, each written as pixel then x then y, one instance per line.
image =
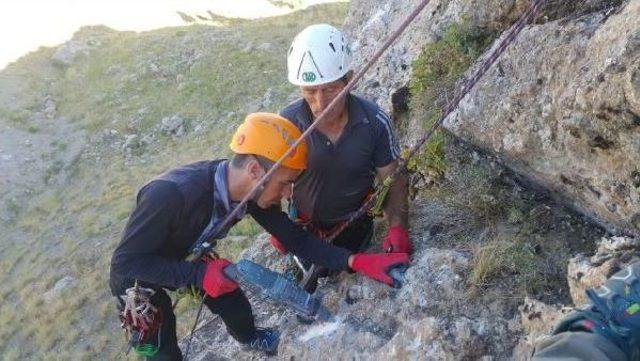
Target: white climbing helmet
pixel 318 55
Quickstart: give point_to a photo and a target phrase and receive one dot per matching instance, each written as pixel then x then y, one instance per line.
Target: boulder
pixel 173 126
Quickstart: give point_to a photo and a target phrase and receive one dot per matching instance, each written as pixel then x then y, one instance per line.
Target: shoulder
pixel 158 192
pixel 370 107
pixel 183 182
pixel 292 110
pixel 375 115
pixel 189 174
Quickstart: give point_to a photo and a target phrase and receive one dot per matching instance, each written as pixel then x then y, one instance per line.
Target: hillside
pixel 83 126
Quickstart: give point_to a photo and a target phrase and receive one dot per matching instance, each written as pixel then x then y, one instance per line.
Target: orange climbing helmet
pixel 270 136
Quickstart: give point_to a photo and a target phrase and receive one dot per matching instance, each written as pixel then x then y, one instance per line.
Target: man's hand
pixel 215 283
pixel 377 265
pixel 277 245
pixel 397 241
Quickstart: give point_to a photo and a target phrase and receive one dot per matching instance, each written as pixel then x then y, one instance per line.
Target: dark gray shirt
pixel 339 176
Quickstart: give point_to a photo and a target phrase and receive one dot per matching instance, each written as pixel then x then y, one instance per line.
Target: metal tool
pixel 278 288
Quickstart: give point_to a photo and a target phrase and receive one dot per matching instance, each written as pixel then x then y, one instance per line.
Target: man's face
pixel 278 186
pixel 319 96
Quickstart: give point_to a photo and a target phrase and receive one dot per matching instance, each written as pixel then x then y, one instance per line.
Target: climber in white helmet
pixel 347 151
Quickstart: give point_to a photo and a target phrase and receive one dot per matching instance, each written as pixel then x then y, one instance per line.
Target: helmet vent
pixel 332 47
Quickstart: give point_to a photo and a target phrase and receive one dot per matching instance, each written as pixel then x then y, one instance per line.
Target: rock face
pixel 434 316
pixel 562 106
pixel 371 21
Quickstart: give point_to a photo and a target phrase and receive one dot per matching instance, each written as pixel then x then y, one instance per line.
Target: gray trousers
pixel 577 346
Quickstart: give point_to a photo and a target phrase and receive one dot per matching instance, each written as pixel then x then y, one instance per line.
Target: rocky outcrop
pixel 561 107
pixel 374 321
pixel 589 272
pixel 371 21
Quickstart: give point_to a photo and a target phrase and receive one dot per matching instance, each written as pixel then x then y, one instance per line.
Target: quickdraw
pixel 380 195
pixel 140 320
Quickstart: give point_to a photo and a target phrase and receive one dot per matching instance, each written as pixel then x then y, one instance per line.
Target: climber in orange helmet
pixel 175 208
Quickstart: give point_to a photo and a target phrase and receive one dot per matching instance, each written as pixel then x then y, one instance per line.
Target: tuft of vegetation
pixel 435 73
pixel 512 258
pixel 524 262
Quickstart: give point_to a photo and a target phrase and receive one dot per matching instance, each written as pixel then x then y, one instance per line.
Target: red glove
pixel 215 283
pixel 277 245
pixel 397 240
pixel 377 265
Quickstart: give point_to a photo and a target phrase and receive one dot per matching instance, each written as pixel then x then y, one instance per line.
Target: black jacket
pixel 171 212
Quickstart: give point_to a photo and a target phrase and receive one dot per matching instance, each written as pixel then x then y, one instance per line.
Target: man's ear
pixel 254 169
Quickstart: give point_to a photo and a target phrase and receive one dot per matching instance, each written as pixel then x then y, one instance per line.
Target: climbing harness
pixel 140 320
pixel 202 246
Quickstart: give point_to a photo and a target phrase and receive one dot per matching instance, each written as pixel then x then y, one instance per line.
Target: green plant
pixel 435 73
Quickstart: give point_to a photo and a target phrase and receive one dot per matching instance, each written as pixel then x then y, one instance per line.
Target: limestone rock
pixel 173 125
pixel 590 272
pixel 371 21
pixel 561 107
pixel 430 316
pixel 537 321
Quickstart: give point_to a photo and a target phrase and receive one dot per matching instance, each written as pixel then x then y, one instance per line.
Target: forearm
pixel 396 207
pixel 300 242
pixel 158 270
